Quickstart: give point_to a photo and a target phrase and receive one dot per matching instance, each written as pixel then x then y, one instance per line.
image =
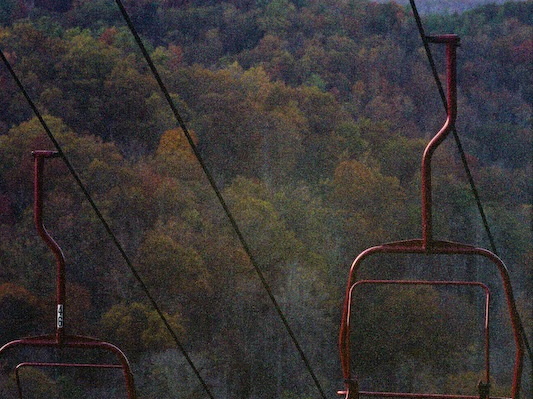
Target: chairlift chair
pixel 428 246
pixel 60 339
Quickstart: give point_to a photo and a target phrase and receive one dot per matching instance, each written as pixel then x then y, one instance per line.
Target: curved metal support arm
pixel 451 41
pixel 39 157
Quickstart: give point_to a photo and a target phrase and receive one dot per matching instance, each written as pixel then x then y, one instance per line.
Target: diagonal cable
pixel 220 198
pixel 104 222
pixel 463 157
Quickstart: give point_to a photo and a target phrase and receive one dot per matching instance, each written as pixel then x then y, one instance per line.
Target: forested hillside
pixel 312 117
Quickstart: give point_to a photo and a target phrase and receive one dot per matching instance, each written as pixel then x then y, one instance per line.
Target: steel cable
pixel 475 192
pixel 106 225
pixel 219 196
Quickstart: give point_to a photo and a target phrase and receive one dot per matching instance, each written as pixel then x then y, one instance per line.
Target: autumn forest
pixel 311 116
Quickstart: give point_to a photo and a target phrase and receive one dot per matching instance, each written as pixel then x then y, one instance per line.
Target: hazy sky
pixel 447 6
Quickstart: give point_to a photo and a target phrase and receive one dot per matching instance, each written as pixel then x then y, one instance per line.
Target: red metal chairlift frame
pixel 428 246
pixel 60 339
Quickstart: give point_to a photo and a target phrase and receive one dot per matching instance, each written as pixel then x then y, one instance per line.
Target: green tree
pixel 239 29
pixel 136 328
pixel 369 204
pixel 401 157
pixel 396 331
pixel 177 271
pixel 125 108
pixel 321 149
pixel 175 158
pixel 273 243
pixel 277 17
pixel 19 312
pixel 36 383
pixel 352 144
pixel 82 72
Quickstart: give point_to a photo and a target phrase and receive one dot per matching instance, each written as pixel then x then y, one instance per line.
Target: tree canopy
pixel 312 117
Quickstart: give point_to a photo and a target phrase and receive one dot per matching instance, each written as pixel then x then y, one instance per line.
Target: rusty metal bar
pixel 451 42
pixel 39 157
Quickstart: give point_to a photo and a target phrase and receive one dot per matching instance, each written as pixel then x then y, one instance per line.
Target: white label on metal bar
pixel 59 316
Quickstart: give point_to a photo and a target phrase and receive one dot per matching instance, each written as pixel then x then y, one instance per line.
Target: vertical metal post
pixel 39 157
pixel 452 42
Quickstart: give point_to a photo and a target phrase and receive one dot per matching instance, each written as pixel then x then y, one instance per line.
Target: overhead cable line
pixel 463 156
pixel 220 198
pixel 104 222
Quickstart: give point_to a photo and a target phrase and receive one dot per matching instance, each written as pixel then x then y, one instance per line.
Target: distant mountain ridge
pixel 448 6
